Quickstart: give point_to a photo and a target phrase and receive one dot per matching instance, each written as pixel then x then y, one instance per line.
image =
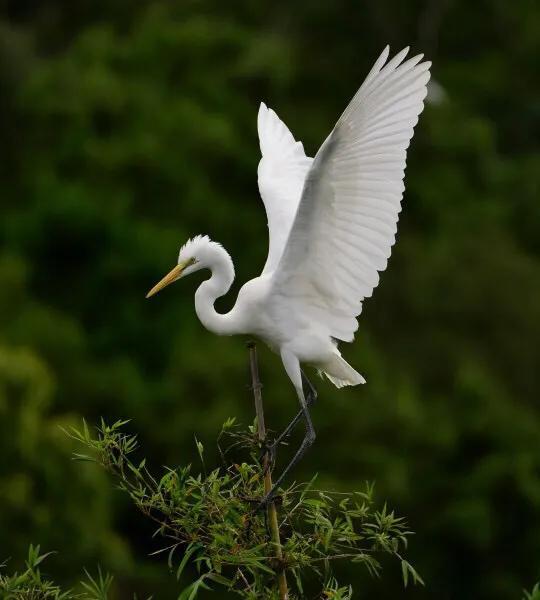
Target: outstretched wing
pixel 282 172
pixel 347 218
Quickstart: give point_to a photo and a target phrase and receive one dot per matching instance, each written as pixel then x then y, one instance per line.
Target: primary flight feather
pixel 332 222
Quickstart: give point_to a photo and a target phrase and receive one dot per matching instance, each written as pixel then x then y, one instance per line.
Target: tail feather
pixel 340 372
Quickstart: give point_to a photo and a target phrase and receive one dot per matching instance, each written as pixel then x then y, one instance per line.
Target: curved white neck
pixel 221 266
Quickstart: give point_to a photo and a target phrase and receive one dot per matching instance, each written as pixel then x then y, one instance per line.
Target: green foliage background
pixel 128 127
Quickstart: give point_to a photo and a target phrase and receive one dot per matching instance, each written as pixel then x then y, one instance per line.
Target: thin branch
pixel 261 429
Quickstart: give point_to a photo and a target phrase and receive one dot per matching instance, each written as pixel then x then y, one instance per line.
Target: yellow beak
pixel 169 278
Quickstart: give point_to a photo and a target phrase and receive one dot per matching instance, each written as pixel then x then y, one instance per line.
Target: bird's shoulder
pixel 256 289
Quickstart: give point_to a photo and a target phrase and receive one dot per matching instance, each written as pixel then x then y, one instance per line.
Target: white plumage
pixel 281 173
pixel 346 222
pixel 332 222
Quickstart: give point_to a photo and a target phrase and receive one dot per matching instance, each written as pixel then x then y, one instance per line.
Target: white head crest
pixel 196 248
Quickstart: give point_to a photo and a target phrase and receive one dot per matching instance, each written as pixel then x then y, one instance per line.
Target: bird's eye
pixel 191 261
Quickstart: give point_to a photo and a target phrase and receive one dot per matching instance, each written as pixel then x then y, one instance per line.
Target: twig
pixel 261 430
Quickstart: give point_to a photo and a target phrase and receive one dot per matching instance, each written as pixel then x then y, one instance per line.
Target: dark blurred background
pixel 126 128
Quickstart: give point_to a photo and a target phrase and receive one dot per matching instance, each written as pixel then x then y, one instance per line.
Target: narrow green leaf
pixel 190 550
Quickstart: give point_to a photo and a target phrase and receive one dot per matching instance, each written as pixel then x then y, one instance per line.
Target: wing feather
pixel 346 222
pixel 281 174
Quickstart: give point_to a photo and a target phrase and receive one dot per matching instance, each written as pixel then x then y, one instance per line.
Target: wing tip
pixel 262 124
pixel 263 109
pixel 273 133
pixel 383 57
pixel 398 58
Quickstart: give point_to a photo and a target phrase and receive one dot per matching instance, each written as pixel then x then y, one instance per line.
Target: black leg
pixel 308 440
pixel 311 397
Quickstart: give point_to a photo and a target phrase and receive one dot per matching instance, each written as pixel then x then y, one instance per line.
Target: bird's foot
pixel 271 447
pixel 268 453
pixel 271 497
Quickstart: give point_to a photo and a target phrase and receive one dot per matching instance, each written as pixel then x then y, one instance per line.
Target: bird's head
pixel 194 255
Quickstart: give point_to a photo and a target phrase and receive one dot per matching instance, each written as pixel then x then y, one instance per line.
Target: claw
pixel 263 504
pixel 270 497
pixel 270 451
pixel 271 448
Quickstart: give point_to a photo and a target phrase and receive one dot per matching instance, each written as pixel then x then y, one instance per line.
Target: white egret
pixel 332 222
